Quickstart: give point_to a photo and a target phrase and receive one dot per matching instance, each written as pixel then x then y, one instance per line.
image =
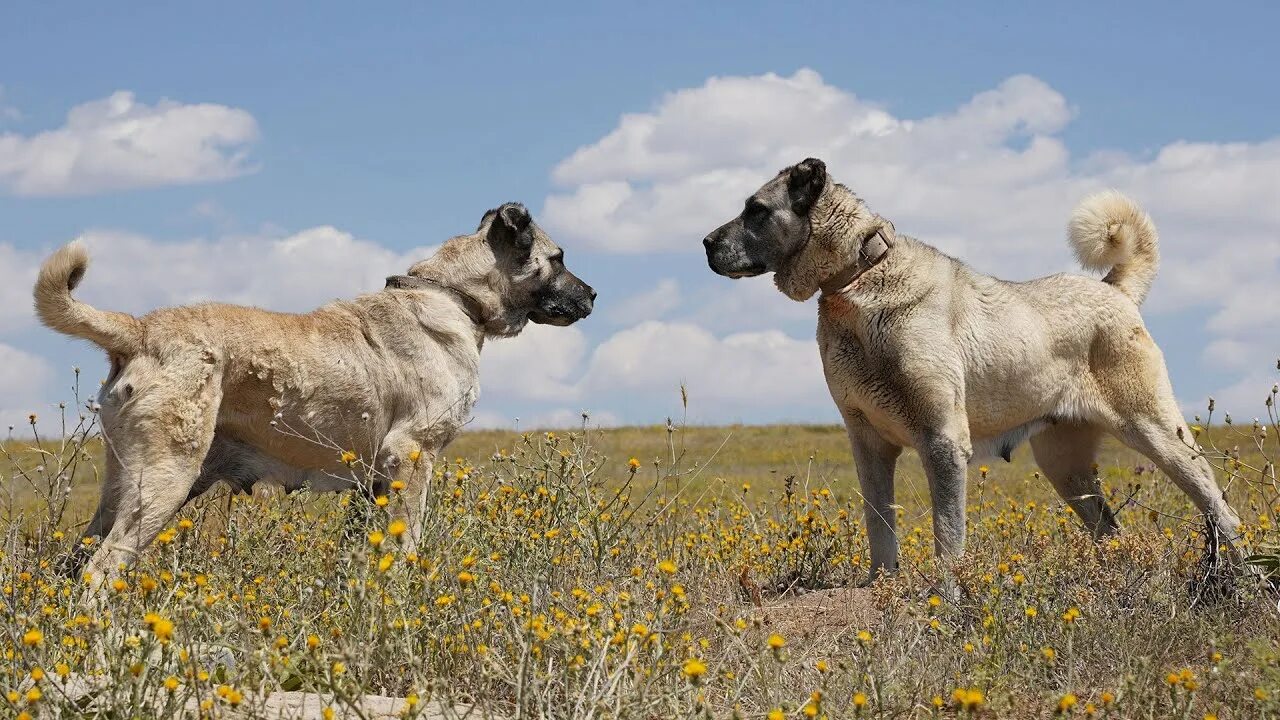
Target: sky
pixel 287 154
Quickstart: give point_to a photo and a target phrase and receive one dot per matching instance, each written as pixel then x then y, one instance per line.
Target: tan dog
pixel 217 392
pixel 921 351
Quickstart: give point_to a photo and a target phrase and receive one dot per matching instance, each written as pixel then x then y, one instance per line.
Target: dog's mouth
pixel 564 302
pixel 557 319
pixel 738 273
pixel 563 312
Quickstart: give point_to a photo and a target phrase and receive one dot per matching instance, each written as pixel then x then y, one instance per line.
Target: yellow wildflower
pixel 163 630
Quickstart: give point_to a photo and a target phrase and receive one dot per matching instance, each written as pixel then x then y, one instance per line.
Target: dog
pixel 921 351
pixel 214 392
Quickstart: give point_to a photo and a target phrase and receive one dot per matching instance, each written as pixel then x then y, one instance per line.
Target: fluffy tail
pixel 117 333
pixel 1109 231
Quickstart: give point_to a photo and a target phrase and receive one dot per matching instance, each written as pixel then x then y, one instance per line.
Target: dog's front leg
pixel 944 464
pixel 411 470
pixel 945 456
pixel 876 460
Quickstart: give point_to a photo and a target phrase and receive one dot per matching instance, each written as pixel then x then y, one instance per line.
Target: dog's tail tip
pixel 116 332
pixel 1111 233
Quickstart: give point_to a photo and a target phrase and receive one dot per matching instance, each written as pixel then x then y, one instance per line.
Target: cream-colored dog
pixel 921 351
pixel 215 392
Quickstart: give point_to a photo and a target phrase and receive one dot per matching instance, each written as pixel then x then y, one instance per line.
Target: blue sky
pixel 385 132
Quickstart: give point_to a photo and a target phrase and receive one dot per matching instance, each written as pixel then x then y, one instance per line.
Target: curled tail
pixel 1109 232
pixel 118 333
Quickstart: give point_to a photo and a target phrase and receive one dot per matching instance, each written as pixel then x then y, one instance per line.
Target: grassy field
pixel 646 573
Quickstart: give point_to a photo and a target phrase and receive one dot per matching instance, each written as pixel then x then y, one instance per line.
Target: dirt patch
pixel 85 692
pixel 309 706
pixel 825 614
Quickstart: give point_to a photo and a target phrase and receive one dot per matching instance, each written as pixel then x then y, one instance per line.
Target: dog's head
pixel 801 226
pixel 772 227
pixel 514 271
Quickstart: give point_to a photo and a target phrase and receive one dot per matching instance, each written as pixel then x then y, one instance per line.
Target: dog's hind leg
pixel 104 518
pixel 1157 438
pixel 1066 453
pixel 1145 416
pixel 158 423
pixel 876 460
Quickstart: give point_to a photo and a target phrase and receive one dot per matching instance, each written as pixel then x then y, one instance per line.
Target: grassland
pixel 645 573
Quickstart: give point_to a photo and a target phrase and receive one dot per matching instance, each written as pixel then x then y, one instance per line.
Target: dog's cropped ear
pixel 805 183
pixel 513 224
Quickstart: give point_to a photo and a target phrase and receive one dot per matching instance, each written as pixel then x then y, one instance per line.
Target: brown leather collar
pixel 873 249
pixel 470 305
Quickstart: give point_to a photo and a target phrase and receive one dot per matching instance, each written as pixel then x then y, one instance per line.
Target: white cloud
pixel 991 181
pixel 725 376
pixel 636 373
pixel 651 304
pixel 539 364
pixel 118 143
pixel 17 276
pixel 725 305
pixel 662 180
pixel 22 378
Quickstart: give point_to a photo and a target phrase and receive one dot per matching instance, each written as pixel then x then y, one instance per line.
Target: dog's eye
pixel 557 259
pixel 756 211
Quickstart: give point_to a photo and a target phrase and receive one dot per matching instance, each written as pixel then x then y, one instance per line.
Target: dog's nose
pixel 593 293
pixel 708 241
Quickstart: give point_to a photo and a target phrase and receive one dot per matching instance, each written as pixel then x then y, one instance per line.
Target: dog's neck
pixel 846 240
pixel 469 271
pixel 471 306
pixel 871 251
pixel 481 324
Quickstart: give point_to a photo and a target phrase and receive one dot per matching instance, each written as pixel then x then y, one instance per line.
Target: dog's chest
pixel 861 379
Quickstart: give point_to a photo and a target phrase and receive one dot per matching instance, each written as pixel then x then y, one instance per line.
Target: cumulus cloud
pixel 650 304
pixel 17 275
pixel 991 181
pixel 538 364
pixel 119 143
pixel 635 375
pixel 22 378
pixel 662 180
pixel 724 375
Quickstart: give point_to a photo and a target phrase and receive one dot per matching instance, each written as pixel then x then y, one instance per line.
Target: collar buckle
pixel 871 252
